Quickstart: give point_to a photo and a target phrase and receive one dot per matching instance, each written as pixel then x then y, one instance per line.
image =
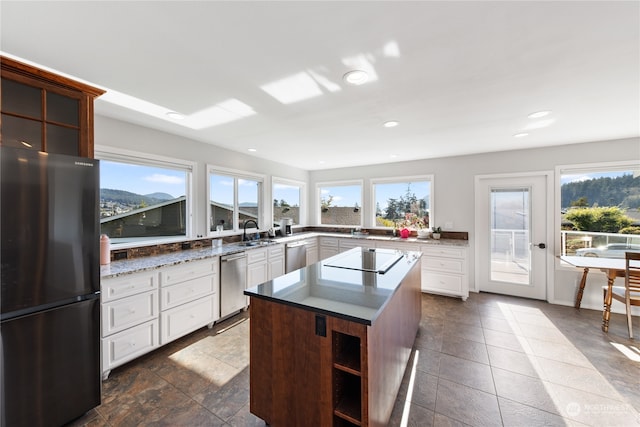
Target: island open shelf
pixel 329 346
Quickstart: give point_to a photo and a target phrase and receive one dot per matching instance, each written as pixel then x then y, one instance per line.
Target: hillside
pixel 623 191
pixel 132 199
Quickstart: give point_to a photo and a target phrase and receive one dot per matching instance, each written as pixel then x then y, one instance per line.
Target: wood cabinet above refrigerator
pixel 44 111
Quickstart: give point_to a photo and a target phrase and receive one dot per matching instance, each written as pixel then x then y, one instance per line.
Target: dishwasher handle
pixel 296 244
pixel 227 258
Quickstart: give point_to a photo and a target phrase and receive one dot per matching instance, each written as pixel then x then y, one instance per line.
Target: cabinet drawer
pixel 187 318
pixel 190 270
pixel 129 284
pixel 443 264
pixel 127 312
pixel 451 284
pixel 276 251
pixel 256 255
pixel 172 296
pixel 449 252
pixel 329 241
pixel 127 345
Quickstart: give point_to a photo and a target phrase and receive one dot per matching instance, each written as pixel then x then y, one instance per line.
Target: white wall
pixel 453 180
pixel 454 192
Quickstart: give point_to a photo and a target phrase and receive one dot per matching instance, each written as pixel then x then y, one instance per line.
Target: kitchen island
pixel 330 342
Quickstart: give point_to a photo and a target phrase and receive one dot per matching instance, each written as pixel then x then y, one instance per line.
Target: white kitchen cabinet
pixel 350 243
pixel 275 261
pixel 188 317
pixel 329 246
pixel 445 270
pixel 189 297
pixel 129 312
pixel 257 267
pixel 397 245
pixel 312 251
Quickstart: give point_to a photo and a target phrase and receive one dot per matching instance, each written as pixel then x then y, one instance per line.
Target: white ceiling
pixel 460 77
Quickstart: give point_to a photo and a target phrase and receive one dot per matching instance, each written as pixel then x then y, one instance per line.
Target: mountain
pixel 623 191
pixel 160 196
pixel 132 199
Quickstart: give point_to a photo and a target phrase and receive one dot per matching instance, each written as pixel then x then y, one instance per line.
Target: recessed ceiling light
pixel 393 156
pixel 356 77
pixel 520 135
pixel 539 114
pixel 253 150
pixel 321 162
pixel 391 124
pixel 26 144
pixel 175 116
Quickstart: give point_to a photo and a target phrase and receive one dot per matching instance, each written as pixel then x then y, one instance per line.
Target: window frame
pixel 303 197
pixel 341 183
pixel 236 175
pixel 147 159
pixel 401 180
pixel 566 169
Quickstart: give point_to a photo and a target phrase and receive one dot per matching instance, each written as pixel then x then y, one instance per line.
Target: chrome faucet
pixel 244 229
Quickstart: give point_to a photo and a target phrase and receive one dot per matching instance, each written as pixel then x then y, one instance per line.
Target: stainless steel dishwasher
pixel 295 256
pixel 233 282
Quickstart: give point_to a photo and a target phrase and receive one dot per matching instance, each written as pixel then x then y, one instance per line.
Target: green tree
pixel 580 203
pixel 599 219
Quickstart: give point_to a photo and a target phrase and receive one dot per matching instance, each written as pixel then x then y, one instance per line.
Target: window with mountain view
pixel 600 210
pixel 403 202
pixel 142 200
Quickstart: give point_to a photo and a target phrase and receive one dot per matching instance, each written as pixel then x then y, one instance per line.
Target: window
pixel 340 203
pixel 404 202
pixel 234 199
pixel 599 209
pixel 286 200
pixel 144 198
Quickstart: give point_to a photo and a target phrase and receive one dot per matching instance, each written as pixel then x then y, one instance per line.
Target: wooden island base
pixel 349 377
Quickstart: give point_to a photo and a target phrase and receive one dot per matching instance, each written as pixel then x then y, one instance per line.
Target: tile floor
pixel 489 361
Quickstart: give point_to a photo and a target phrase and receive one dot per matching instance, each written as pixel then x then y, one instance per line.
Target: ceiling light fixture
pixel 520 135
pixel 539 114
pixel 391 124
pixel 253 150
pixel 356 77
pixel 175 116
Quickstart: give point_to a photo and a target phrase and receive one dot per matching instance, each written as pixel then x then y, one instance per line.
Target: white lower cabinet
pixel 275 260
pixel 257 269
pixel 189 297
pixel 130 327
pixel 445 271
pixel 329 246
pixel 124 346
pixel 312 251
pixel 142 311
pixel 186 318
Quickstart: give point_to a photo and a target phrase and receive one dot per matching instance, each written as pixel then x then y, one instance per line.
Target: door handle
pixel 540 245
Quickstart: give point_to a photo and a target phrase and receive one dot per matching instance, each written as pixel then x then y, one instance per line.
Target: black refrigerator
pixel 50 277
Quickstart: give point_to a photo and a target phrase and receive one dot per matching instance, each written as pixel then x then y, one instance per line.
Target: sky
pixel 141 179
pixel 147 179
pixel 564 179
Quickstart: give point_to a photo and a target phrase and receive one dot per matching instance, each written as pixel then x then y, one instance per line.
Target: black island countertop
pixel 354 285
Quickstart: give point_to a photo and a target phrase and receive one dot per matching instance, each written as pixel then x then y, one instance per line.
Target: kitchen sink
pixel 256 243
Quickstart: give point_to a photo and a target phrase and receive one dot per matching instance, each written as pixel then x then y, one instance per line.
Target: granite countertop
pixel 128 266
pixel 341 286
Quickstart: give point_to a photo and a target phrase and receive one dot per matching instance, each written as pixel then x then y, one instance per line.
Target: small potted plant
pixel 436 232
